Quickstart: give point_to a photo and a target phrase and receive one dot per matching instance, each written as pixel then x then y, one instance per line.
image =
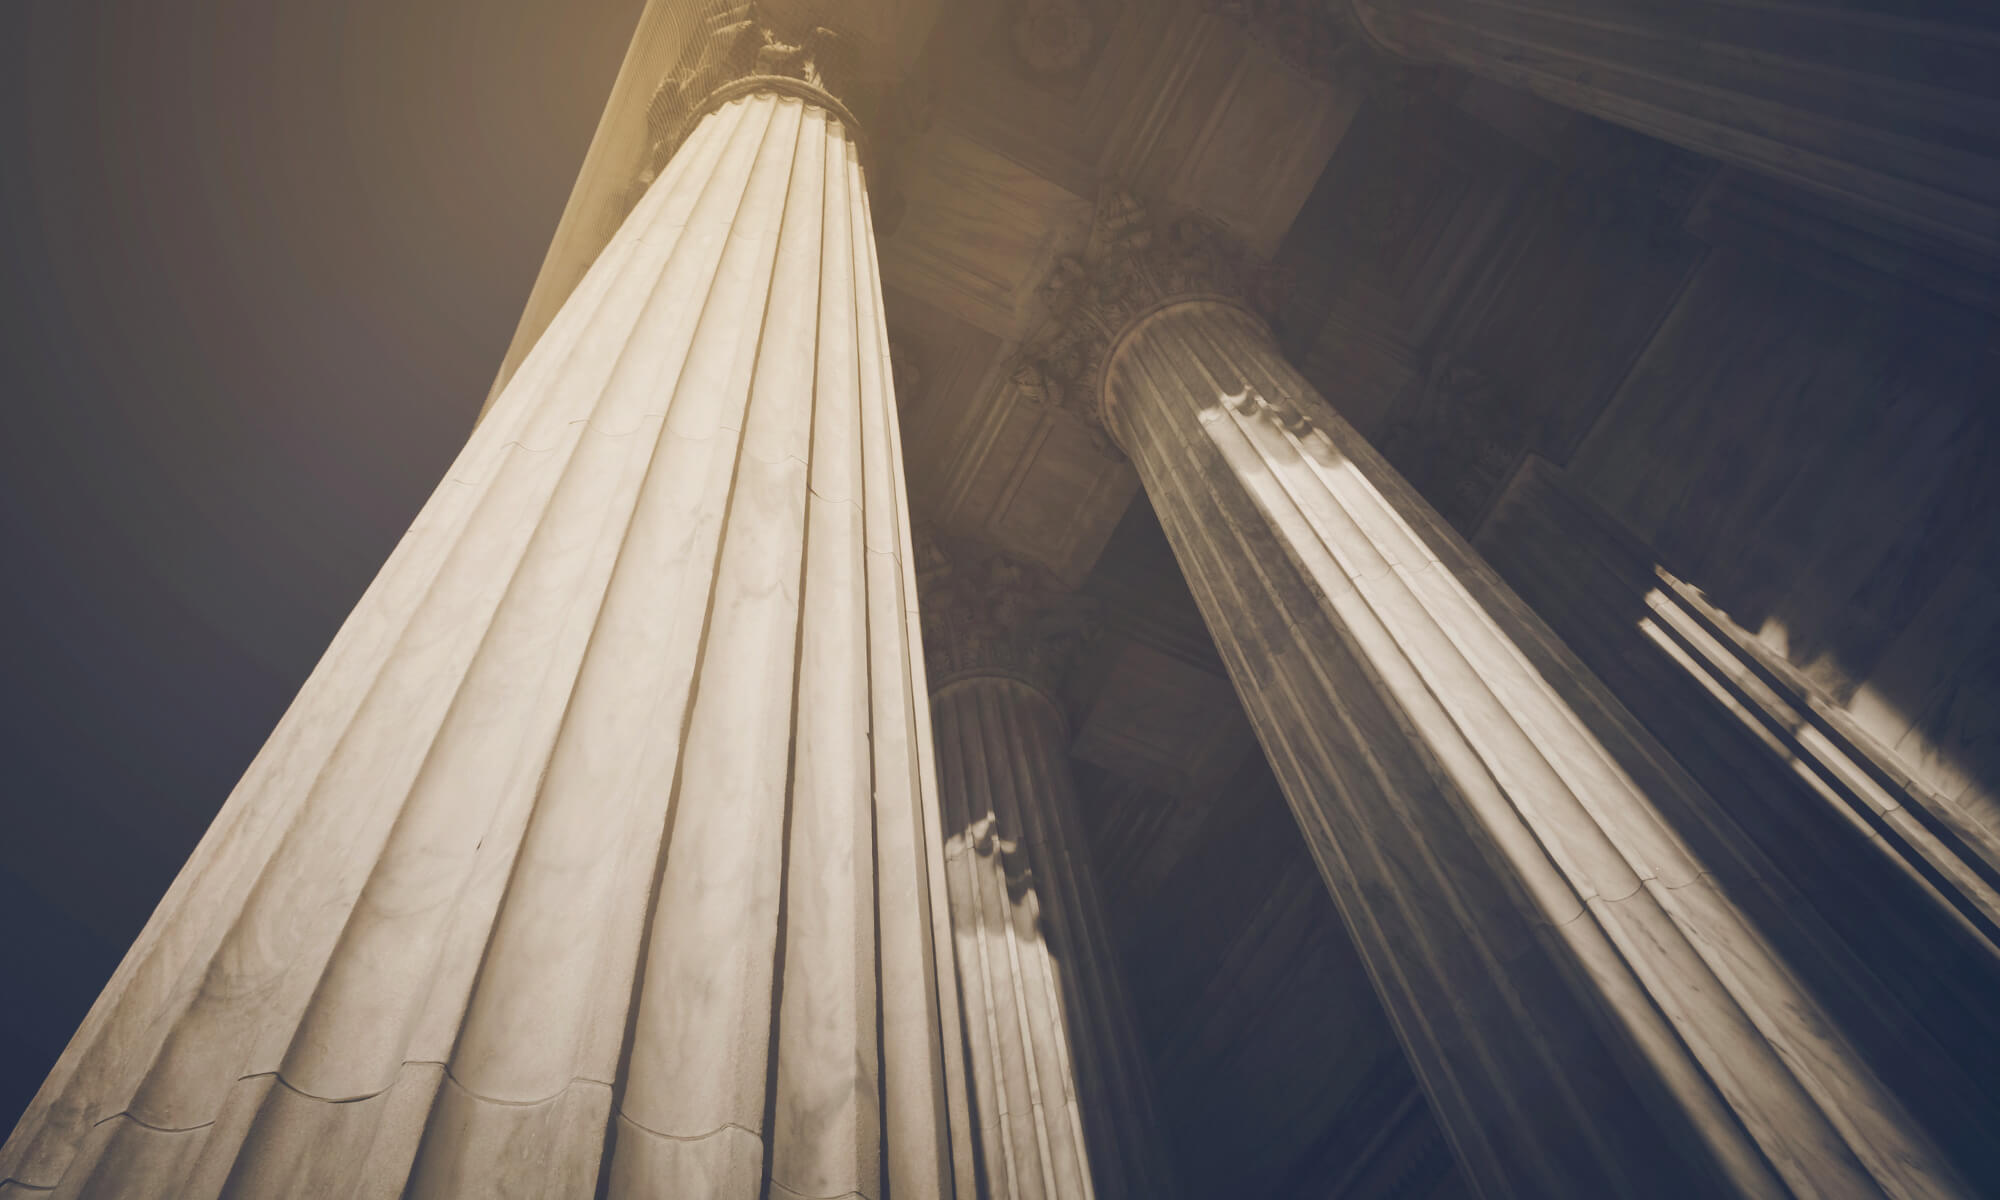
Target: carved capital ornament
pixel 1131 266
pixel 985 613
pixel 741 50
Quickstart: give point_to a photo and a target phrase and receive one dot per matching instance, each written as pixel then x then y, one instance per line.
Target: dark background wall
pixel 258 263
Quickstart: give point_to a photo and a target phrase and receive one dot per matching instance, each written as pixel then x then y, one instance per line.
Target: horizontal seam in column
pixel 691 1137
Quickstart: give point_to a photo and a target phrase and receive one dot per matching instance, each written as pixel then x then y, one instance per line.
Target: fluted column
pixel 599 851
pixel 1061 1093
pixel 1602 986
pixel 1890 107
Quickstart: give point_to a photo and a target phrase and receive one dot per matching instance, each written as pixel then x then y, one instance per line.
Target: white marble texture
pixel 1061 1094
pixel 600 849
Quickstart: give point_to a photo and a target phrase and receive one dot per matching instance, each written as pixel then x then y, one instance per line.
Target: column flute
pixel 1604 988
pixel 600 852
pixel 1061 1093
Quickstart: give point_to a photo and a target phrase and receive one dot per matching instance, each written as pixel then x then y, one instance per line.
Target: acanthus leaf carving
pixel 983 611
pixel 1131 263
pixel 737 42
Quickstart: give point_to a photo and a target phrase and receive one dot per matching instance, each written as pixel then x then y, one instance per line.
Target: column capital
pixel 740 49
pixel 839 62
pixel 988 614
pixel 1134 264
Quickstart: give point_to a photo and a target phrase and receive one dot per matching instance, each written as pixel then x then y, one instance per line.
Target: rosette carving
pixel 1130 265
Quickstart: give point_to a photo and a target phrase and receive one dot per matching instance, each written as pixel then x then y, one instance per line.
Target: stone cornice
pixel 987 614
pixel 1131 266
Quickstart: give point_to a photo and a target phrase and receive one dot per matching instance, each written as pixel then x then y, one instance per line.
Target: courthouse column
pixel 1580 954
pixel 1888 106
pixel 600 852
pixel 1060 1089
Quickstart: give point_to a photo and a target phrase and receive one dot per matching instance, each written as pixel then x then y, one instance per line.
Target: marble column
pixel 1599 983
pixel 600 853
pixel 1888 107
pixel 1061 1093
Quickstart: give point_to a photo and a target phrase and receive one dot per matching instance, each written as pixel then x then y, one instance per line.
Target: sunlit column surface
pixel 600 850
pixel 1579 952
pixel 1888 106
pixel 1063 1106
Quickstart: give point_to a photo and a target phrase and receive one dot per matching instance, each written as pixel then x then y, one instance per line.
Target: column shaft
pixel 597 852
pixel 1891 108
pixel 1599 982
pixel 1059 1082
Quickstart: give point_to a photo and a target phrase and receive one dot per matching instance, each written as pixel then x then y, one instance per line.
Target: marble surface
pixel 1060 1085
pixel 1548 905
pixel 602 848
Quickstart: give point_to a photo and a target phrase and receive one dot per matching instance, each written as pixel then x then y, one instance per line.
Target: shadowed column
pixel 1060 1088
pixel 599 851
pixel 1602 985
pixel 1890 107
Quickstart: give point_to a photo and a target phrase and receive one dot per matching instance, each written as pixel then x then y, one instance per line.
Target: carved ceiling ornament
pixel 984 612
pixel 1053 37
pixel 1130 266
pixel 736 44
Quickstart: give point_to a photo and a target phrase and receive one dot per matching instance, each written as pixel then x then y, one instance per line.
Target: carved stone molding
pixel 987 613
pixel 736 44
pixel 1131 265
pixel 740 48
